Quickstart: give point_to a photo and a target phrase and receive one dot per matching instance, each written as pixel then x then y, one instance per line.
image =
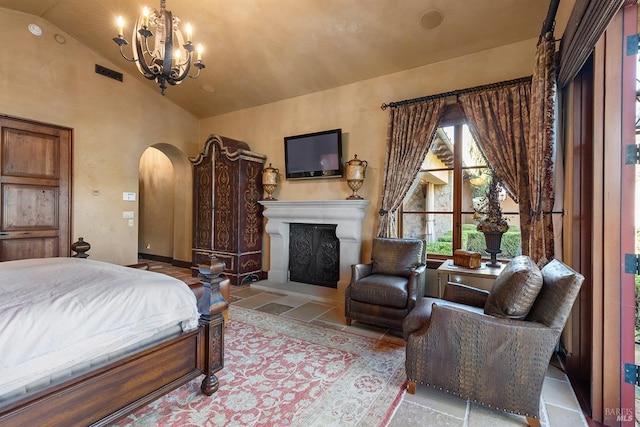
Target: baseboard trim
pixel 165 259
pixel 181 264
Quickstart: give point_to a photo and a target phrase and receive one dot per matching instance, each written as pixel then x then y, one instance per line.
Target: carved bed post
pixel 211 305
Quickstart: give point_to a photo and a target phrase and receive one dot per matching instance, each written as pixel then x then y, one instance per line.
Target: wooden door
pixel 35 185
pixel 579 248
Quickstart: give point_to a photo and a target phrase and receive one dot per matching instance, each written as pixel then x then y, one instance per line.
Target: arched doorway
pixel 165 220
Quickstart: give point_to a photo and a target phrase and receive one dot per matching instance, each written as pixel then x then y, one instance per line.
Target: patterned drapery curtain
pixel 498 119
pixel 539 153
pixel 409 134
pixel 513 126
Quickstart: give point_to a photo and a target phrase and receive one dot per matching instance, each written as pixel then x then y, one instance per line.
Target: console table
pixel 448 270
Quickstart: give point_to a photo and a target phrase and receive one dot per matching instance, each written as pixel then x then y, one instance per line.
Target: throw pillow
pixel 515 289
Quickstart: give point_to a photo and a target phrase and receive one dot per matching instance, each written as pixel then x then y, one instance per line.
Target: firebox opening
pixel 314 254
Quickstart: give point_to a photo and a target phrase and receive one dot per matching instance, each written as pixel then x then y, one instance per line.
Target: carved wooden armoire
pixel 227 218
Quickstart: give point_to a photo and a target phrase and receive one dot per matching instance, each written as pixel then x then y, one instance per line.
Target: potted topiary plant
pixel 490 220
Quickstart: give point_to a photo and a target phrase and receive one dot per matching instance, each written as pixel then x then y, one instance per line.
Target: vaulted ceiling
pixel 261 51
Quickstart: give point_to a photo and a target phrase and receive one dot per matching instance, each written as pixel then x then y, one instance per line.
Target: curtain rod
pixel 550 21
pixel 457 92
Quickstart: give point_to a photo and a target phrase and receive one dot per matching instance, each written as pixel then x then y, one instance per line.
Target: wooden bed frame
pixel 103 395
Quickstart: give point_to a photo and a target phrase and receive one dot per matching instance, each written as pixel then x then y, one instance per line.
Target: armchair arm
pixel 416 284
pixel 463 294
pixel 497 362
pixel 358 271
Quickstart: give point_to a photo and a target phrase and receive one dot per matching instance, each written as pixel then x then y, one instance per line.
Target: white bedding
pixel 59 312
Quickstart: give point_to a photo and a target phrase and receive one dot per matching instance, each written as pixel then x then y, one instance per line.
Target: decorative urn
pixel 493 239
pixel 354 170
pixel 270 178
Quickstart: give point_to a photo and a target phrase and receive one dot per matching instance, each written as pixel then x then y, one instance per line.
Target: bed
pixel 85 342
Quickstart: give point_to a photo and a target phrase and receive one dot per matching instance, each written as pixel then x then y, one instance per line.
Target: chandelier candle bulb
pixel 199 52
pixel 189 33
pixel 145 16
pixel 120 24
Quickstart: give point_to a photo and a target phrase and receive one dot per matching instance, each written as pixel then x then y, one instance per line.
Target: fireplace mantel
pixel 346 214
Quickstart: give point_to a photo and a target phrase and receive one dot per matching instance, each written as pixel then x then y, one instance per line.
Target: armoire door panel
pixel 251 213
pixel 203 206
pixel 226 204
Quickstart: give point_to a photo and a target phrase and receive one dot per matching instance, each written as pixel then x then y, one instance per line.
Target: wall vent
pixel 104 71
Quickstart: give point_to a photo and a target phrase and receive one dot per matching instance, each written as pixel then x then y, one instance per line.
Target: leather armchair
pixel 473 343
pixel 384 291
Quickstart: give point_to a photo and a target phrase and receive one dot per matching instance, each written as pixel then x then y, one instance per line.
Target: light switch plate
pixel 127 214
pixel 129 197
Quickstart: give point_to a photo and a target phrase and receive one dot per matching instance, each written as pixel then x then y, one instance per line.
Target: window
pixel 447 190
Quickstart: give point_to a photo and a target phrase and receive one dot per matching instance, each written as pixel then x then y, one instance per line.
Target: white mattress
pixel 56 313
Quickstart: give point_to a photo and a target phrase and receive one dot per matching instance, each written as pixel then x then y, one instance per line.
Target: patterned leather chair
pixel 493 347
pixel 384 291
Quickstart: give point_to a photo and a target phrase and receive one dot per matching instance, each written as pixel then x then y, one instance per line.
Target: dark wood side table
pixel 450 272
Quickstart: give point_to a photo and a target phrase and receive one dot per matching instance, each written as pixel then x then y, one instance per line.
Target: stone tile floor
pixel 427 407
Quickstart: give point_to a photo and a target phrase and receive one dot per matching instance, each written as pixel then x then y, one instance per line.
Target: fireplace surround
pixel 347 215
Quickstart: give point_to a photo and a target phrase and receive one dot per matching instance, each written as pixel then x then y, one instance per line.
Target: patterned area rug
pixel 283 372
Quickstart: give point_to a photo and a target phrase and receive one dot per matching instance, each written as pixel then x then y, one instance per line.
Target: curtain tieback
pixel 383 212
pixel 535 214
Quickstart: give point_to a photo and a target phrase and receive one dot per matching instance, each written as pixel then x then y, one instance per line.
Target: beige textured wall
pixel 562 17
pixel 113 124
pixel 356 109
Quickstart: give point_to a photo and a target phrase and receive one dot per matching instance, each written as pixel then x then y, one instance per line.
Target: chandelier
pixel 164 57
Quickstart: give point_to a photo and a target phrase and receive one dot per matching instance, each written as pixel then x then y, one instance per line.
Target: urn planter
pixel 493 239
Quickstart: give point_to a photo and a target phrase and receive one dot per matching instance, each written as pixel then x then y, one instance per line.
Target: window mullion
pixel 457 185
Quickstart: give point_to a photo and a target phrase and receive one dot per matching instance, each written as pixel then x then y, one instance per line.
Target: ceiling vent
pixel 104 71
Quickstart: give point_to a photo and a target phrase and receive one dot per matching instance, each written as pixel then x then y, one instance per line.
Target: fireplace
pixel 345 215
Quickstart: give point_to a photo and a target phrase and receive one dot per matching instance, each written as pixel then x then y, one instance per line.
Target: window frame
pixel 453 117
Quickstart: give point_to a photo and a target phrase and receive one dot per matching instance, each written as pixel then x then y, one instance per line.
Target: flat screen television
pixel 314 155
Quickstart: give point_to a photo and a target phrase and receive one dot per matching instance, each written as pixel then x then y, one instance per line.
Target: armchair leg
pixel 411 388
pixel 533 422
pixel 348 321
